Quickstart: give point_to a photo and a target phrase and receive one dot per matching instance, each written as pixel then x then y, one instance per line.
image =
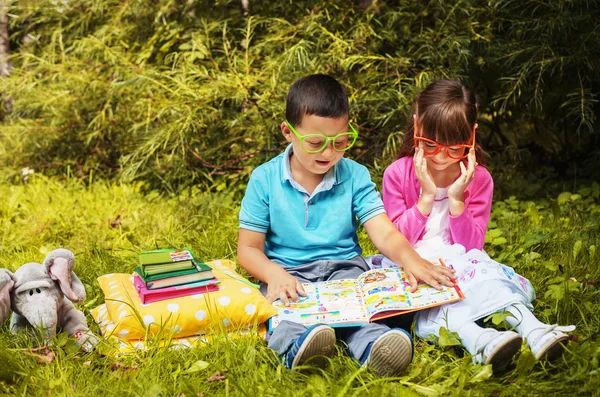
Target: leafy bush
pixel 177 92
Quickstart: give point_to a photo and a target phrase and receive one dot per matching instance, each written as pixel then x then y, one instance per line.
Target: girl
pixel 439 195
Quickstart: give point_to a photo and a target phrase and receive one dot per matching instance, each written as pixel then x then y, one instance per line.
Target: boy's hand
pixel 284 287
pixel 423 270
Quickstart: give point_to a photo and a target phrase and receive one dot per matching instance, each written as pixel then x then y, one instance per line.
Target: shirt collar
pixel 330 178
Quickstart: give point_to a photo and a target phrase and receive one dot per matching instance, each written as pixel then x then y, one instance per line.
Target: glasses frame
pixel 352 133
pixel 439 146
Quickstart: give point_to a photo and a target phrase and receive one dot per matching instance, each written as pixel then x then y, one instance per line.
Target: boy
pixel 298 224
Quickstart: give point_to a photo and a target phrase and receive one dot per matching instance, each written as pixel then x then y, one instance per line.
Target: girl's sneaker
pixel 549 342
pixel 389 354
pixel 316 343
pixel 499 351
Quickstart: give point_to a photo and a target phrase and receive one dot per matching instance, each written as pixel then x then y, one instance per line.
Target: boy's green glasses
pixel 315 143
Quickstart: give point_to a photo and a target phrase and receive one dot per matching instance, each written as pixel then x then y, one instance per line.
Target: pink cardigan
pixel 401 190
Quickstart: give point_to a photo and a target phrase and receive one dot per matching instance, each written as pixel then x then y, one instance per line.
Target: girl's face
pixel 441 157
pixel 439 161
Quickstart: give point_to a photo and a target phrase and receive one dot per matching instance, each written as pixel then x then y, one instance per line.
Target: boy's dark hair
pixel 446 110
pixel 316 94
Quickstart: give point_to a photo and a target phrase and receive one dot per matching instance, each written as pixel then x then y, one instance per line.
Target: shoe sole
pixel 553 349
pixel 318 345
pixel 501 357
pixel 390 354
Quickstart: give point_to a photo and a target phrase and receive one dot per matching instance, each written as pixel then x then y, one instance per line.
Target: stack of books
pixel 171 273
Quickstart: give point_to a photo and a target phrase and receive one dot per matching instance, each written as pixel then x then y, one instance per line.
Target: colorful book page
pixel 337 303
pixel 384 290
pixel 389 290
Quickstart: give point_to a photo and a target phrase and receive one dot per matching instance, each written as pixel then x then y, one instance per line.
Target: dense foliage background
pixel 183 92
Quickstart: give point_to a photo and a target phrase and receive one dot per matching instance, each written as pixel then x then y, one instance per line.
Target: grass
pixel 552 242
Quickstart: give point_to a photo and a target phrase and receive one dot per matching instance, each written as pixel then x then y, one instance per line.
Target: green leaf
pixel 555 291
pixel 196 367
pixel 534 214
pixel 564 197
pixel 535 239
pixel 448 338
pixel 525 363
pixel 430 391
pixel 493 233
pixel 550 265
pixel 498 318
pixel 483 374
pixel 499 241
pixel 533 256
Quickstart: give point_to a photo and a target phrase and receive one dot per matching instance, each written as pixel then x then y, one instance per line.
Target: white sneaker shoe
pixel 550 344
pixel 499 351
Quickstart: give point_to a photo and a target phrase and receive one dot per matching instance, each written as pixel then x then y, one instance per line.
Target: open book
pixel 375 294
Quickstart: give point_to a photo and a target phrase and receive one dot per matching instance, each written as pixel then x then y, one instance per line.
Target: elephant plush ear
pixel 59 265
pixel 7 281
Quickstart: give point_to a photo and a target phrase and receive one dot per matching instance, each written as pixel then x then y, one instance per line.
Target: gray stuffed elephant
pixel 41 296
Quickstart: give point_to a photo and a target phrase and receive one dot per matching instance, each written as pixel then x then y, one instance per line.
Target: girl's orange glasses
pixel 431 147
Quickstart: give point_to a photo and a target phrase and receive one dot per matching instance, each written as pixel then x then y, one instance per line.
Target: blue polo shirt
pixel 301 227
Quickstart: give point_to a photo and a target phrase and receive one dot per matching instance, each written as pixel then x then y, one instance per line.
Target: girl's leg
pixel 546 341
pixel 489 346
pixel 474 338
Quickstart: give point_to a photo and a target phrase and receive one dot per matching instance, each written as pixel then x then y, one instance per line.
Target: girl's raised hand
pixel 428 187
pixel 457 189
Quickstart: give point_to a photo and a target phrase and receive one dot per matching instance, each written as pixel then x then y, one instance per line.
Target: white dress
pixel 488 286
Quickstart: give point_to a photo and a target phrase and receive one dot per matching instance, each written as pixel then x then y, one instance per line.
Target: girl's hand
pixel 457 189
pixel 428 187
pixel 423 270
pixel 284 287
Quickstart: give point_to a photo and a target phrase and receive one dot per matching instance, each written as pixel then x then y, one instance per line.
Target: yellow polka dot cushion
pixel 236 304
pixel 107 327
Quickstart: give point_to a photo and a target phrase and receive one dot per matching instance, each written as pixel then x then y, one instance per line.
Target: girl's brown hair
pixel 446 112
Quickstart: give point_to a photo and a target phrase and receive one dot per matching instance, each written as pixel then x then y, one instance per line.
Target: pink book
pixel 177 291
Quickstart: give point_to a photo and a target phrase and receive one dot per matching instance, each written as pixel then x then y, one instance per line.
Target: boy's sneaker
pixel 316 343
pixel 389 354
pixel 499 351
pixel 550 343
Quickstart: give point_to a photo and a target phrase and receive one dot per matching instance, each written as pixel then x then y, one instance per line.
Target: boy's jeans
pixel 357 338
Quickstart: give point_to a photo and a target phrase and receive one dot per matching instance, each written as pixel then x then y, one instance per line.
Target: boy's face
pixel 315 163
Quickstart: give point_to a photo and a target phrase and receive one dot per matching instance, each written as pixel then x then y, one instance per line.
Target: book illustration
pixel 373 295
pixel 165 256
pixel 183 255
pixel 330 302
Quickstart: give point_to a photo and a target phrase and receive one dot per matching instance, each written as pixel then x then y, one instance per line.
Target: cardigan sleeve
pixel 400 201
pixel 468 229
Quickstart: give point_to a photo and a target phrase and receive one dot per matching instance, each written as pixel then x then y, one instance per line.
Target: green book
pixel 181 280
pixel 159 276
pixel 168 267
pixel 192 266
pixel 169 255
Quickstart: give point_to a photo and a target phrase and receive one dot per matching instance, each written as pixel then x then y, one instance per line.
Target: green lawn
pixel 552 242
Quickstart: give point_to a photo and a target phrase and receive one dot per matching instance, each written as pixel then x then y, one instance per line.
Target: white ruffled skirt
pixel 488 286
